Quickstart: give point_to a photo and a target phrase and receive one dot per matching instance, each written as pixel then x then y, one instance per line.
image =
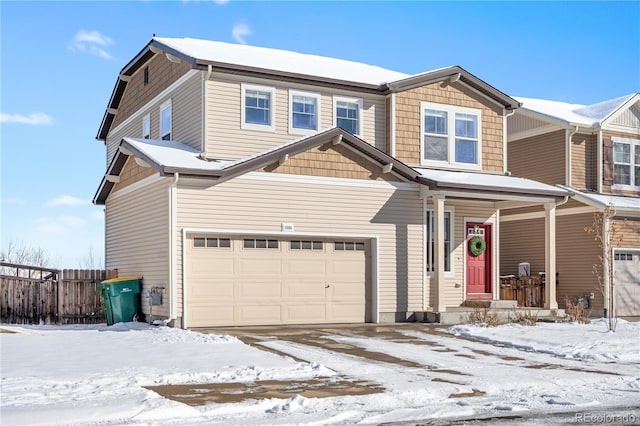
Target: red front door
pixel 478 249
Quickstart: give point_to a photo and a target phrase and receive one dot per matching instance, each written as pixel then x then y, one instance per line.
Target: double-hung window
pixel 304 110
pixel 165 121
pixel 347 114
pixel 146 126
pixel 431 243
pixel 626 163
pixel 258 107
pixel 451 136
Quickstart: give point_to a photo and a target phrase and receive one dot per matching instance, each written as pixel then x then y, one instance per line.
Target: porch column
pixel 438 253
pixel 550 301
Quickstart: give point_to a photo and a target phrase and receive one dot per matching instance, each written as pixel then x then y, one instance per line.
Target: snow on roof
pixel 590 115
pixel 174 154
pixel 281 60
pixel 499 182
pixel 604 200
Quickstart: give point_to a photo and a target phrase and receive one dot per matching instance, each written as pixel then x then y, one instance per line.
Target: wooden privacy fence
pixel 34 295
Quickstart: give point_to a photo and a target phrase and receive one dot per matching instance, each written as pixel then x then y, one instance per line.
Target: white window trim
pixel 633 143
pixel 452 247
pixel 294 130
pixel 146 120
pixel 166 104
pixel 451 111
pixel 357 101
pixel 272 111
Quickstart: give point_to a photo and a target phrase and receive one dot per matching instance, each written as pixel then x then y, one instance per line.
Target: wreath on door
pixel 477 246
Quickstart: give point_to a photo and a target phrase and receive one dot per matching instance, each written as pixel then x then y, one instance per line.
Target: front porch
pixel 504 311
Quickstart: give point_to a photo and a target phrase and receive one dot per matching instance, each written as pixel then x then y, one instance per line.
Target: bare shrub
pixel 524 318
pixel 483 317
pixel 577 311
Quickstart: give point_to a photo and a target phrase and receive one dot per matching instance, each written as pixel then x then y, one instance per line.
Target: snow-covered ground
pixel 90 375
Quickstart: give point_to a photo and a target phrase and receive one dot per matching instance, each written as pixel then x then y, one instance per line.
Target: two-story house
pixel 259 186
pixel 594 151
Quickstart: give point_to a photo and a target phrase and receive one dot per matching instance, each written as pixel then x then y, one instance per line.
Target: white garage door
pixel 265 281
pixel 627 283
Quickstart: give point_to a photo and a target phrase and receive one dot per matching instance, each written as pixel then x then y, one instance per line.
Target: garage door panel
pixel 306 266
pixel 627 283
pixel 260 286
pixel 247 289
pixel 253 267
pixel 263 313
pixel 306 313
pixel 296 289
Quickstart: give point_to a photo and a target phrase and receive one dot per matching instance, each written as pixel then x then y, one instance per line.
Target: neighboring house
pixel 259 186
pixel 593 150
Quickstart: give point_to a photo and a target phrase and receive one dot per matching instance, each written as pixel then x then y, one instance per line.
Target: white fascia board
pixel 552 119
pixel 426 192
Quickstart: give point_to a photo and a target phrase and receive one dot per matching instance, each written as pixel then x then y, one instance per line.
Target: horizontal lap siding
pixel 395 216
pixel 137 238
pixel 540 158
pixel 630 229
pixel 408 117
pixel 226 138
pixel 186 110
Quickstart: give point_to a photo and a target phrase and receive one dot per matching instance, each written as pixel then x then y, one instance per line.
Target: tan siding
pixel 629 118
pixel 389 117
pixel 540 158
pixel 226 139
pixel 332 161
pixel 408 138
pixel 584 161
pixel 395 216
pixel 521 123
pixel 608 135
pixel 162 73
pixel 186 110
pixel 631 232
pixel 132 173
pixel 137 238
pixel 577 251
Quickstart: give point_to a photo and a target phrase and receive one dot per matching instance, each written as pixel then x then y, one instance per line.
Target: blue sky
pixel 60 60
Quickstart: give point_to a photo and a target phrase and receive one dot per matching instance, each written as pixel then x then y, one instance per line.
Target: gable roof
pixel 299 67
pixel 567 114
pixel 170 157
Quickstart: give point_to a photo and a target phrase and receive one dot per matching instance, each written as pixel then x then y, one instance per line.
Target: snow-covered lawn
pixel 96 374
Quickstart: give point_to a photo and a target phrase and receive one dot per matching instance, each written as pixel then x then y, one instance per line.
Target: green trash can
pixel 121 299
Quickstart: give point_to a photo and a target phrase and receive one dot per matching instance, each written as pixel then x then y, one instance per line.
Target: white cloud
pixel 91 42
pixel 98 215
pixel 61 225
pixel 221 1
pixel 35 119
pixel 240 31
pixel 68 200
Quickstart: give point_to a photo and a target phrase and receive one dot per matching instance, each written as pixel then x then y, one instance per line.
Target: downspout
pixel 606 264
pixel 505 130
pixel 392 127
pixel 173 218
pixel 203 141
pixel 599 159
pixel 567 174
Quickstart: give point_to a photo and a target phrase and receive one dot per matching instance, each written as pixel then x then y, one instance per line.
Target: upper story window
pixel 146 126
pixel 451 136
pixel 304 115
pixel 348 114
pixel 626 163
pixel 258 107
pixel 165 121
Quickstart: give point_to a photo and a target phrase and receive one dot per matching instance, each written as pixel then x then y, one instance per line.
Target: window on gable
pixel 165 121
pixel 626 162
pixel 304 112
pixel 347 114
pixel 258 107
pixel 451 135
pixel 146 126
pixel 431 247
